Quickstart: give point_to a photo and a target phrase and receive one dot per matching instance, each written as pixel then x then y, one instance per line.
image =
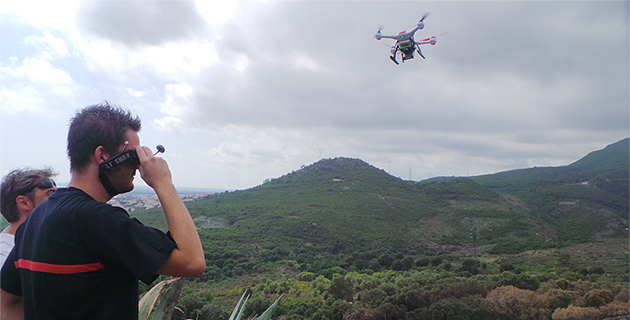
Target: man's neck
pixel 12 228
pixel 88 182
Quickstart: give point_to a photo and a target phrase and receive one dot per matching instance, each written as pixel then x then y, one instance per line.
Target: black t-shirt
pixel 77 258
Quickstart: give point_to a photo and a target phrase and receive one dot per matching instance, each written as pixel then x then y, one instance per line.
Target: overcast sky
pixel 242 91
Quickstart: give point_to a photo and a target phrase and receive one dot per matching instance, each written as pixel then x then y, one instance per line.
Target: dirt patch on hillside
pixel 514 201
pixel 204 222
pixel 611 253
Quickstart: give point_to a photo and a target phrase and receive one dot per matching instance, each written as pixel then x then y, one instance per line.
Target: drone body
pixel 405 42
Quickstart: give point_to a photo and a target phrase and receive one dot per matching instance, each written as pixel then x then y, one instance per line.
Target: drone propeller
pixel 432 40
pixel 378 33
pixel 421 22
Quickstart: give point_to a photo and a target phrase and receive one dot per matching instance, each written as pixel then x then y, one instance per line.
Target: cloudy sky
pixel 241 91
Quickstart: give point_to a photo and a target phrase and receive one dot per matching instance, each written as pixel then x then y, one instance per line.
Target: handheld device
pixel 119 158
pixel 128 155
pixel 116 160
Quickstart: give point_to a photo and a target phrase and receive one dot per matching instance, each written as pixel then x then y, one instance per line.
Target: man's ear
pixel 24 203
pixel 100 154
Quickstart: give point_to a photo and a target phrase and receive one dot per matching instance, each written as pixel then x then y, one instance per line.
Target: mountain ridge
pixel 346 204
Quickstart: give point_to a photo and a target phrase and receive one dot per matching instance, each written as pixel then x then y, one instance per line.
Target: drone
pixel 406 44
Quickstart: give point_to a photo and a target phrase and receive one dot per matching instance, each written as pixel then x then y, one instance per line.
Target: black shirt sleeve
pixel 124 242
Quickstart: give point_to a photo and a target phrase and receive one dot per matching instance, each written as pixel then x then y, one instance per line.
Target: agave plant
pixel 240 307
pixel 159 302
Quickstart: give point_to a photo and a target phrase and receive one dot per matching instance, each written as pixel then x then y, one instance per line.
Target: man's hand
pixel 153 170
pixel 187 259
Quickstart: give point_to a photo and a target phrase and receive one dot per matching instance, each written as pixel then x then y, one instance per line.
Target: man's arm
pixel 187 259
pixel 10 306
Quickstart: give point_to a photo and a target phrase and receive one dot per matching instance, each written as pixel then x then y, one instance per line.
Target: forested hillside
pixel 586 199
pixel 345 240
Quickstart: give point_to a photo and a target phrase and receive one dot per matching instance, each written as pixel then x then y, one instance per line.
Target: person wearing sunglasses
pixel 21 191
pixel 78 257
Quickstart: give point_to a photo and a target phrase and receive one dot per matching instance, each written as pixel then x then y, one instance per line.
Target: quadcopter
pixel 406 44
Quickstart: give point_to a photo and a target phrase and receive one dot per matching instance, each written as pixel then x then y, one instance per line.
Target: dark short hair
pixel 98 125
pixel 19 182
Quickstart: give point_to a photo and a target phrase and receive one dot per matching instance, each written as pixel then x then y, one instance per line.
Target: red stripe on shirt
pixel 57 268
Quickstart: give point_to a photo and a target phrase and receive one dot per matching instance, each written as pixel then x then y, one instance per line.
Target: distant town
pixel 131 201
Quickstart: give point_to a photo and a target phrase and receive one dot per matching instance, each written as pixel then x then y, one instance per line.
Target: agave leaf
pixel 240 306
pixel 159 302
pixel 267 314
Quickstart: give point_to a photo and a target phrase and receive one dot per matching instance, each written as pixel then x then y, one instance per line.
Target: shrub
pixel 576 313
pixel 389 311
pixel 423 262
pixel 341 288
pixel 521 281
pixel 212 311
pixel 360 314
pixel 598 297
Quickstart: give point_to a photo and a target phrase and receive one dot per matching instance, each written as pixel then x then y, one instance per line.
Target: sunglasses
pixel 44 184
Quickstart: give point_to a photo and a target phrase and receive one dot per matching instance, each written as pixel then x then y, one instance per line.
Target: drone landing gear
pixel 420 52
pixel 393 59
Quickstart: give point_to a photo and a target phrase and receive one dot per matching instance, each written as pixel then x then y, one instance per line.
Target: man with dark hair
pixel 21 191
pixel 77 257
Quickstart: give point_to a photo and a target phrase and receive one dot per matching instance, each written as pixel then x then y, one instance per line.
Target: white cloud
pixel 43 14
pixel 247 90
pixel 217 12
pixel 170 124
pixel 177 99
pixel 33 85
pixel 303 62
pixel 48 46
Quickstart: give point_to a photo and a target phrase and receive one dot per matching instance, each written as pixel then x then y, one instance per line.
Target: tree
pixel 576 313
pixel 521 281
pixel 449 308
pixel 341 288
pixel 212 311
pixel 385 260
pixel 361 264
pixel 598 297
pixel 360 314
pixel 471 265
pixel 511 303
pixel 557 298
pixel 372 297
pixel 389 311
pixel 338 309
pixel 419 314
pixel 412 299
pixel 191 304
pixel 564 258
pixel 423 262
pixel 320 284
pixel 614 309
pixel 507 267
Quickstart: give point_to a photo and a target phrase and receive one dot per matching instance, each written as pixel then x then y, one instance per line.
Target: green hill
pixel 341 237
pixel 586 199
pixel 347 204
pixel 344 206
